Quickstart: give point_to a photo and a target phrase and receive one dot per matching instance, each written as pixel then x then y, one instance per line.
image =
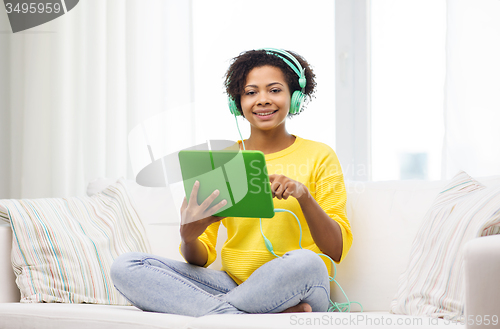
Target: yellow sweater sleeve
pixel 209 240
pixel 331 196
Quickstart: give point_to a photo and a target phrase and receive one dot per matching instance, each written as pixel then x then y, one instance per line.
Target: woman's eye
pixel 275 90
pixel 250 93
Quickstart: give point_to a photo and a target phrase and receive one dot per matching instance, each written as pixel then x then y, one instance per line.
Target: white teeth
pixel 263 114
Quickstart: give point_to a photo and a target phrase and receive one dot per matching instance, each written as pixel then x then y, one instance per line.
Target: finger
pixel 193 198
pixel 208 201
pixel 272 177
pixel 184 204
pixel 275 185
pixel 287 192
pixel 183 211
pixel 216 208
pixel 277 189
pixel 280 189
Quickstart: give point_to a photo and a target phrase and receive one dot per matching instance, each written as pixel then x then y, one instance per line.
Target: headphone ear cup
pixel 296 102
pixel 232 106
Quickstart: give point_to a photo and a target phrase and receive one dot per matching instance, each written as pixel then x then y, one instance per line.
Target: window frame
pixel 352 84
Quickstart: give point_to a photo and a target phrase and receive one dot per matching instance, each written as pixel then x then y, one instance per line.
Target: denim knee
pixel 122 266
pixel 306 262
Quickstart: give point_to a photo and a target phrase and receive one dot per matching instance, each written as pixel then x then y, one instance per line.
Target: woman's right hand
pixel 196 218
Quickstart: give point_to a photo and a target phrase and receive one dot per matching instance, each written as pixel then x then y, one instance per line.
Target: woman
pixel 266 87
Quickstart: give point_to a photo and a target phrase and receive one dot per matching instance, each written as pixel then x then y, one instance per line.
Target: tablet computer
pixel 240 176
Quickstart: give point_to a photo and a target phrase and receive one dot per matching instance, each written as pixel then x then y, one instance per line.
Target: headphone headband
pixel 297 68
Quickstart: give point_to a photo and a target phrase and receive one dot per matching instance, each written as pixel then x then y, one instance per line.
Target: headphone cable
pixel 237 126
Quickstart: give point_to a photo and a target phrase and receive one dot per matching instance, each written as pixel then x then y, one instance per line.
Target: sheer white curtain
pixel 472 91
pixel 72 89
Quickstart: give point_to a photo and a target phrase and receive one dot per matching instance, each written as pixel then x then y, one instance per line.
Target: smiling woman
pixel 266 87
pixel 258 86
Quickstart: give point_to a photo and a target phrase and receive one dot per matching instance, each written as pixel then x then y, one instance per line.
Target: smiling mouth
pixel 265 114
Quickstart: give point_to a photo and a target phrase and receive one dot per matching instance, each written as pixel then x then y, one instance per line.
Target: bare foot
pixel 302 307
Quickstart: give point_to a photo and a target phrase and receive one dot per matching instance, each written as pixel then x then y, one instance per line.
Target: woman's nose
pixel 263 100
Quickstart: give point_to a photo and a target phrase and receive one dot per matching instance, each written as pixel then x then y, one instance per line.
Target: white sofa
pixel 384 217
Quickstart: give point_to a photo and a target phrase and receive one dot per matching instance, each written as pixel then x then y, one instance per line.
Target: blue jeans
pixel 159 284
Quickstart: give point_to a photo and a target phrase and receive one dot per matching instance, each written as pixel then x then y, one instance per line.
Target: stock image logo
pixel 25 14
pixel 162 156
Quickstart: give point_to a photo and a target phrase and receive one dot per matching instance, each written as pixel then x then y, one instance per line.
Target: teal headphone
pixel 298 96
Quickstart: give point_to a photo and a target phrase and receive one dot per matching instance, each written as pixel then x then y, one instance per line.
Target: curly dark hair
pixel 236 75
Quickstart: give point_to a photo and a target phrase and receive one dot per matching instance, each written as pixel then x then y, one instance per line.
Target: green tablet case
pixel 240 176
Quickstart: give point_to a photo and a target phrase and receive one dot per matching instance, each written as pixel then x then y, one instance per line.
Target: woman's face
pixel 266 98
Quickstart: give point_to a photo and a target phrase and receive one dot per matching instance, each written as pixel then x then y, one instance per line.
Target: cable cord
pixel 335 307
pixel 237 126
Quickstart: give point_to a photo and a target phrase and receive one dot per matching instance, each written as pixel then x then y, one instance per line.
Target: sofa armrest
pixel 482 270
pixel 8 288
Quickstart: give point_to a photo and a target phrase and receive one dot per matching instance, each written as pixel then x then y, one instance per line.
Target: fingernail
pixel 223 202
pixel 196 183
pixel 216 192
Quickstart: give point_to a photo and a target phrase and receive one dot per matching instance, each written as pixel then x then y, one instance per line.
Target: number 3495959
pixel 33 8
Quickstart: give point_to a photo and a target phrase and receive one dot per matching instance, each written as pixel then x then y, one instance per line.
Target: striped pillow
pixel 433 283
pixel 62 249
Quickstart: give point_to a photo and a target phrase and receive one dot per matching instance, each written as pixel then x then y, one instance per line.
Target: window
pixel 407 88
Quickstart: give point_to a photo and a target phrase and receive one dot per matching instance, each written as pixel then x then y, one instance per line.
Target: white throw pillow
pixel 63 248
pixel 155 205
pixel 433 283
pixel 159 210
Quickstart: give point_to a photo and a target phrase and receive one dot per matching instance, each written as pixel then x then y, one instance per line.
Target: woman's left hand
pixel 283 187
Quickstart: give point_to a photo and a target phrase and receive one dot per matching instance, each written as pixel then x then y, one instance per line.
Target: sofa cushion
pixel 433 283
pixel 62 249
pixel 62 316
pixel 85 316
